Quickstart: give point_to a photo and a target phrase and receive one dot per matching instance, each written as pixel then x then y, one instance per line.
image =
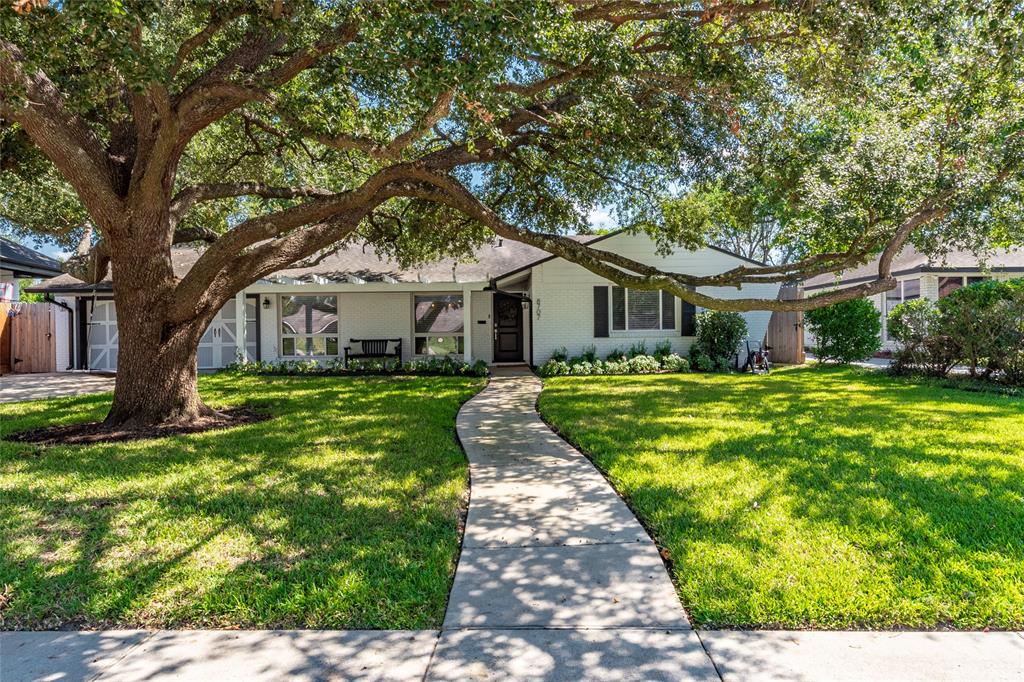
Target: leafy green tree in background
pixel 273 131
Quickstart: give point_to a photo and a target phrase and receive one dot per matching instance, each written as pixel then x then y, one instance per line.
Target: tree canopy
pixel 275 130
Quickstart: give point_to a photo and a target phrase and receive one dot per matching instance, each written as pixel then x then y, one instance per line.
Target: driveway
pixel 17 387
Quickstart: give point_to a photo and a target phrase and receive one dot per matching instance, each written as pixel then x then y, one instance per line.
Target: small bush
pixel 560 354
pixel 615 355
pixel 846 331
pixel 590 353
pixel 638 348
pixel 675 363
pixel 553 368
pixel 662 349
pixel 703 362
pixel 643 364
pixel 718 337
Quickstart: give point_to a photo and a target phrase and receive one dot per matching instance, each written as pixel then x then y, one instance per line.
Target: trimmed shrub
pixel 643 364
pixel 561 354
pixel 590 353
pixel 554 368
pixel 981 318
pixel 615 355
pixel 675 363
pixel 846 331
pixel 718 337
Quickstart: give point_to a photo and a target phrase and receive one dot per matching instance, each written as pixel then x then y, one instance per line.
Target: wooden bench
pixel 373 348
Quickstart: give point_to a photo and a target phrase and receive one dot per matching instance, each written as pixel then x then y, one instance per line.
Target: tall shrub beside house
pixel 924 346
pixel 981 325
pixel 718 338
pixel 985 321
pixel 846 331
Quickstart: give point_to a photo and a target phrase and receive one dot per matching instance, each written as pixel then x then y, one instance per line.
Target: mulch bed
pixel 97 432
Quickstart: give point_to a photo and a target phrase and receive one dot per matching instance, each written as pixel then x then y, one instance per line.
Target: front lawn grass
pixel 818 497
pixel 340 512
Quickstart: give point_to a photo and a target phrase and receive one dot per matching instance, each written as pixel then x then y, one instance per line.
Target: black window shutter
pixel 668 310
pixel 600 312
pixel 689 321
pixel 618 308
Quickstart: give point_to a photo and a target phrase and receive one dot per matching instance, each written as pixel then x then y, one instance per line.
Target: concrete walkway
pixel 17 387
pixel 557 581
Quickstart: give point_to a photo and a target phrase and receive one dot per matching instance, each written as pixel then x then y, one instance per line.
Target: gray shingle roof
pixel 911 261
pixel 361 262
pixel 25 261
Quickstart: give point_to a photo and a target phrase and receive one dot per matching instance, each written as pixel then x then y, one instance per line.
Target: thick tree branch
pixel 36 104
pixel 193 194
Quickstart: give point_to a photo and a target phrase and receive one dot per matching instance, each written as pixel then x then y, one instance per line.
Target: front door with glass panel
pixel 508 328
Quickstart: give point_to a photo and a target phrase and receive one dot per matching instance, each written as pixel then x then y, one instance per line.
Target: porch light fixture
pixel 266 303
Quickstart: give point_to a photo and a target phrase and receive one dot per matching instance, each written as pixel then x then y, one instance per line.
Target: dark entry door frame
pixel 508 327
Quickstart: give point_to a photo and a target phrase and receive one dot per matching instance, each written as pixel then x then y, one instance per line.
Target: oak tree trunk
pixel 156 362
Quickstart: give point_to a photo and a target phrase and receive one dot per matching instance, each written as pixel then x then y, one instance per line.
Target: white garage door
pixel 102 336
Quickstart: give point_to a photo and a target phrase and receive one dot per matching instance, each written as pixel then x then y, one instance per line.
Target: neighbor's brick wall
pixel 563 303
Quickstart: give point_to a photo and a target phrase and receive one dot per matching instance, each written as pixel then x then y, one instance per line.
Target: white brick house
pixel 511 303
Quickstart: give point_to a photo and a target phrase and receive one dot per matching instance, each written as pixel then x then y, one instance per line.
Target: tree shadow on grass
pixel 341 512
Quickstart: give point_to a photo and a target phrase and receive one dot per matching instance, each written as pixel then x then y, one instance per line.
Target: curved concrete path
pixel 557 578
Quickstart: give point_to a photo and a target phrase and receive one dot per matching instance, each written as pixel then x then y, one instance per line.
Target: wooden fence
pixel 786 331
pixel 27 338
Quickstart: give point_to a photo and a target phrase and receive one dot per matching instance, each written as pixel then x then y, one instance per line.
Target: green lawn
pixel 341 512
pixel 816 497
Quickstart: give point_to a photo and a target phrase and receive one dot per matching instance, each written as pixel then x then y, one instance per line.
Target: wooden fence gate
pixel 31 329
pixel 786 331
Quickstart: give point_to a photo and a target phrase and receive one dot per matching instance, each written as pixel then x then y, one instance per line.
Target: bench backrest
pixel 375 346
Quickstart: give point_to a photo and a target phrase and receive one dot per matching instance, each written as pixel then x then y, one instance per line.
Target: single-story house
pixel 511 303
pixel 920 276
pixel 19 262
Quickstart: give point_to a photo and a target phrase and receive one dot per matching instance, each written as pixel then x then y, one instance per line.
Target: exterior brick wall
pixel 563 303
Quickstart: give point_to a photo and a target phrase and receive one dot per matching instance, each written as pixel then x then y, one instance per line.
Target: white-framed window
pixel 948 285
pixel 438 327
pixel 309 325
pixel 640 310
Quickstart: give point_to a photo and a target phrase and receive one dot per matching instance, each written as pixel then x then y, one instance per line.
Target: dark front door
pixel 508 328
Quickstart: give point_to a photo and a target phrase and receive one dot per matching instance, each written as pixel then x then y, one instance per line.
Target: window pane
pixel 309 314
pixel 911 289
pixel 439 345
pixel 948 285
pixel 324 345
pixel 439 314
pixel 975 280
pixel 643 309
pixel 288 346
pixel 618 308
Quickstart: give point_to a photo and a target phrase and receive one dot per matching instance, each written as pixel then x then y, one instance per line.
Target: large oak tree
pixel 276 130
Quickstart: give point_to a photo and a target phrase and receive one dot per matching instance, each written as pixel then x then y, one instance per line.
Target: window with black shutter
pixel 688 324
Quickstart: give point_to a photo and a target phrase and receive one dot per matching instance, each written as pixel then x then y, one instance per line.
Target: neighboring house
pixel 512 303
pixel 19 262
pixel 919 276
